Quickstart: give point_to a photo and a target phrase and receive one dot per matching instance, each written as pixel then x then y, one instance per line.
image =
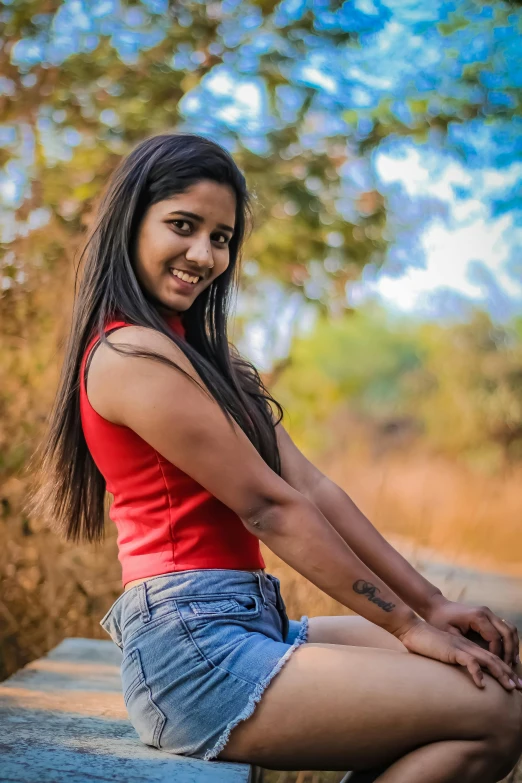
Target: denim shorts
pixel 199 648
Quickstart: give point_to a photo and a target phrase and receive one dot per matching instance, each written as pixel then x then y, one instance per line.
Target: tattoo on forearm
pixel 366 588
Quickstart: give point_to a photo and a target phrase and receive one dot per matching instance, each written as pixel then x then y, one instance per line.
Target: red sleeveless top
pixel 166 521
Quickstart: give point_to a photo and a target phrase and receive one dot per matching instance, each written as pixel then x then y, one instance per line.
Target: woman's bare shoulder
pixel 106 365
pixel 182 421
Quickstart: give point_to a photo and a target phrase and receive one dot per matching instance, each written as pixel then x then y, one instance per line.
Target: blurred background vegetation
pixel 381 293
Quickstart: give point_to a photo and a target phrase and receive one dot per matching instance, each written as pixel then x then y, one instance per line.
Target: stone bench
pixel 63 720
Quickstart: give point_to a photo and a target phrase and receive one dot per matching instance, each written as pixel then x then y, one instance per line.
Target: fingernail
pixel 519 681
pixel 512 683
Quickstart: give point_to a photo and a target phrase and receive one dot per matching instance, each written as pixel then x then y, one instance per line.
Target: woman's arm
pixel 354 528
pixel 373 549
pixel 185 425
pixel 188 428
pixel 478 622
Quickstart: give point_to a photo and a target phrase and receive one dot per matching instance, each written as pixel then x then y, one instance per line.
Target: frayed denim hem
pixel 255 696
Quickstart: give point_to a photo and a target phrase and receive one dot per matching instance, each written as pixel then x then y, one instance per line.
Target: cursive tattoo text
pixel 366 588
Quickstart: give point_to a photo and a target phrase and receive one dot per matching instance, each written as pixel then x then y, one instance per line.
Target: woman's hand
pixel 422 638
pixel 460 620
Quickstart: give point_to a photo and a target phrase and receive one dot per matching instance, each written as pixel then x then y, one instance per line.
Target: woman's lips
pixel 182 284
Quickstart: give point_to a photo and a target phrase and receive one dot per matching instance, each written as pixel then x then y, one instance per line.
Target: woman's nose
pixel 200 252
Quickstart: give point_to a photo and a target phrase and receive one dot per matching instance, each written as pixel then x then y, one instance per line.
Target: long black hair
pixel 70 491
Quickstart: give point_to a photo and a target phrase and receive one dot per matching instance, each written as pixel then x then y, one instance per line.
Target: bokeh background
pixel 381 294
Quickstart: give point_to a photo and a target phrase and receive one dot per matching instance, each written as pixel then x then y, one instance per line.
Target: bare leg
pixel 357 631
pixel 341 707
pixel 455 760
pixel 464 761
pixel 351 630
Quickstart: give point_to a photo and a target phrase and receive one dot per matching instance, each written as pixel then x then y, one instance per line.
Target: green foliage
pixel 83 82
pixel 461 385
pixel 475 406
pixel 357 360
pixel 76 104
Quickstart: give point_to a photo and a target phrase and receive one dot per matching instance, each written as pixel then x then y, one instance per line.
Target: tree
pixel 298 90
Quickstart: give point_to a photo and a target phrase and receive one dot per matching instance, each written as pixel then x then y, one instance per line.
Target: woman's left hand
pixel 460 619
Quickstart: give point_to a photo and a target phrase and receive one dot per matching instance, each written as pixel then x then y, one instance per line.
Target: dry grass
pixel 49 589
pixel 464 515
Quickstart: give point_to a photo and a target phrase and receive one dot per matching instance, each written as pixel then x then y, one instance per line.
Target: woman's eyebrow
pixel 197 217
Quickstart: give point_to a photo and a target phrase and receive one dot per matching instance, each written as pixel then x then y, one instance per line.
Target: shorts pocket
pixel 240 606
pixel 144 713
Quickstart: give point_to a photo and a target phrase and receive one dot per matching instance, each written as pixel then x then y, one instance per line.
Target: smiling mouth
pixel 184 277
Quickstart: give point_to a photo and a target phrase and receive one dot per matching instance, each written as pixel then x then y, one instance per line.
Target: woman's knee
pixel 504 724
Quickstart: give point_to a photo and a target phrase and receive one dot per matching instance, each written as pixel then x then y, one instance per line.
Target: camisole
pixel 165 520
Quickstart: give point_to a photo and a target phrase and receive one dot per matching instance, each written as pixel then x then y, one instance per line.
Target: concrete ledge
pixel 63 719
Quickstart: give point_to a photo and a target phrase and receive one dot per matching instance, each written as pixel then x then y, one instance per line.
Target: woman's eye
pixel 181 221
pixel 177 222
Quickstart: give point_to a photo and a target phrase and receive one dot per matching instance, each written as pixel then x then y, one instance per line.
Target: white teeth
pixel 184 276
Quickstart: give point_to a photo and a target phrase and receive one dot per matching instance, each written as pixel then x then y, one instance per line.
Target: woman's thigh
pixel 344 707
pixel 351 630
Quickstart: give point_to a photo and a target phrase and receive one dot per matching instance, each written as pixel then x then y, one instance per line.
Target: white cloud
pixel 451 247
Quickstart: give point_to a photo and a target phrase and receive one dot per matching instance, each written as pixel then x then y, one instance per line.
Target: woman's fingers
pixel 424 639
pixel 501 634
pixel 508 638
pixel 494 665
pixel 474 669
pixel 483 625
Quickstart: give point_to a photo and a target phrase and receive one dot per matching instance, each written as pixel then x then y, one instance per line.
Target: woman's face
pixel 171 242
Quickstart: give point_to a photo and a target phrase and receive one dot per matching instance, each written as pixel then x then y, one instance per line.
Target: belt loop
pixel 277 590
pixel 142 599
pixel 259 579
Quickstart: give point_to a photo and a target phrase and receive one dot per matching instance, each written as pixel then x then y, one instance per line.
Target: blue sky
pixel 467 251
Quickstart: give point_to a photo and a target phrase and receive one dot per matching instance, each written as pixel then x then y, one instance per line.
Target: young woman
pixel 156 407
